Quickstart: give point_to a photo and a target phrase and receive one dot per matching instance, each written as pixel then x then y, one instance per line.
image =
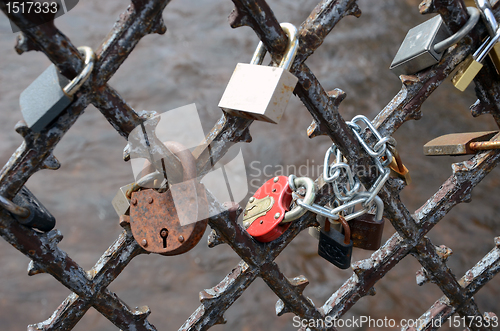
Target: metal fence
pixel 89 288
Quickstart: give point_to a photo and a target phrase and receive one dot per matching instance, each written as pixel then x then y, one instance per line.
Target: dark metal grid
pixel 144 17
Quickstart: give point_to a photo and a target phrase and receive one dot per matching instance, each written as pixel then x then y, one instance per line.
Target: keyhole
pixel 164 235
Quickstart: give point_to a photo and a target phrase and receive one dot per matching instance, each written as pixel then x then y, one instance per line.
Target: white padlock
pixel 260 92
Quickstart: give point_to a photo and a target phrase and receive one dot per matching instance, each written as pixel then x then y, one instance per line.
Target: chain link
pixel 346 185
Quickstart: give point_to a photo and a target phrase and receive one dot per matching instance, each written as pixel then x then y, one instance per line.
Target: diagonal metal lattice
pixel 143 17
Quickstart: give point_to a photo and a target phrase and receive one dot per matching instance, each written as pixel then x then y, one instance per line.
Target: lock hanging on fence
pixel 260 92
pixel 491 23
pixel 367 229
pixel 266 216
pixel 425 44
pixel 158 219
pixel 29 211
pixel 334 246
pixel 471 66
pixel 51 93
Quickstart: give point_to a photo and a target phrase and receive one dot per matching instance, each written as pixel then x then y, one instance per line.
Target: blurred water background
pixel 192 63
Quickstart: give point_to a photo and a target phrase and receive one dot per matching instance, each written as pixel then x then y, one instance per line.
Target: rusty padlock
pixel 156 219
pixel 367 229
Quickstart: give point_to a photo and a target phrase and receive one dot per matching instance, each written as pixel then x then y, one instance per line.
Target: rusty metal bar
pixel 484 145
pixel 439 274
pixel 48 258
pixel 215 301
pixel 472 282
pixel 143 17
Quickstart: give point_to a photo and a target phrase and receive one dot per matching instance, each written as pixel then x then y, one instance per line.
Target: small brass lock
pixel 471 66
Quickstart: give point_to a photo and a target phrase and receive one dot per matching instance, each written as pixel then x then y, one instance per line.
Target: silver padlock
pixel 47 97
pixel 260 92
pixel 425 44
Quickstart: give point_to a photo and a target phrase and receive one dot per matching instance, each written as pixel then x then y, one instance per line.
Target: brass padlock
pixel 461 143
pixel 492 26
pixel 471 66
pixel 425 44
pixel 260 92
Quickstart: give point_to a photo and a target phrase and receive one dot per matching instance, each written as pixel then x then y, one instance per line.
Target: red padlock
pixel 266 209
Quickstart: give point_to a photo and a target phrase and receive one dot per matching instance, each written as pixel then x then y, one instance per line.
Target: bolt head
pixel 276 179
pixel 277 215
pixel 134 201
pixel 144 242
pixel 150 200
pixel 252 199
pixel 181 239
pixel 261 222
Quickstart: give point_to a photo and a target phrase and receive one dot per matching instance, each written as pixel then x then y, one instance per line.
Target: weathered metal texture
pixel 143 17
pixel 442 276
pixel 472 282
pixel 215 301
pixel 164 226
pixel 155 223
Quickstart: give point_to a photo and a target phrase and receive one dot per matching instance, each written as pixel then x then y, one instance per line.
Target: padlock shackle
pixel 379 204
pixel 488 16
pixel 13 208
pixel 290 52
pixel 79 80
pixel 347 230
pixel 486 47
pixel 464 30
pixel 298 211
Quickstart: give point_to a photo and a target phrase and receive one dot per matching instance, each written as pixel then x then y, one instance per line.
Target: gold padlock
pixel 471 66
pixel 491 23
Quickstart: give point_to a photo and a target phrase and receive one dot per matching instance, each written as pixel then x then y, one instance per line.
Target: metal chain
pixel 346 185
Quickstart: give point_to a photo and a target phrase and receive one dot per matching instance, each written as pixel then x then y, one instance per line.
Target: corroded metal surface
pixel 89 289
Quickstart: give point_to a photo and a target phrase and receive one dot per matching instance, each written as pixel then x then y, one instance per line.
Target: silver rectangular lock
pixel 425 44
pixel 44 99
pixel 417 50
pixel 259 92
pixel 47 97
